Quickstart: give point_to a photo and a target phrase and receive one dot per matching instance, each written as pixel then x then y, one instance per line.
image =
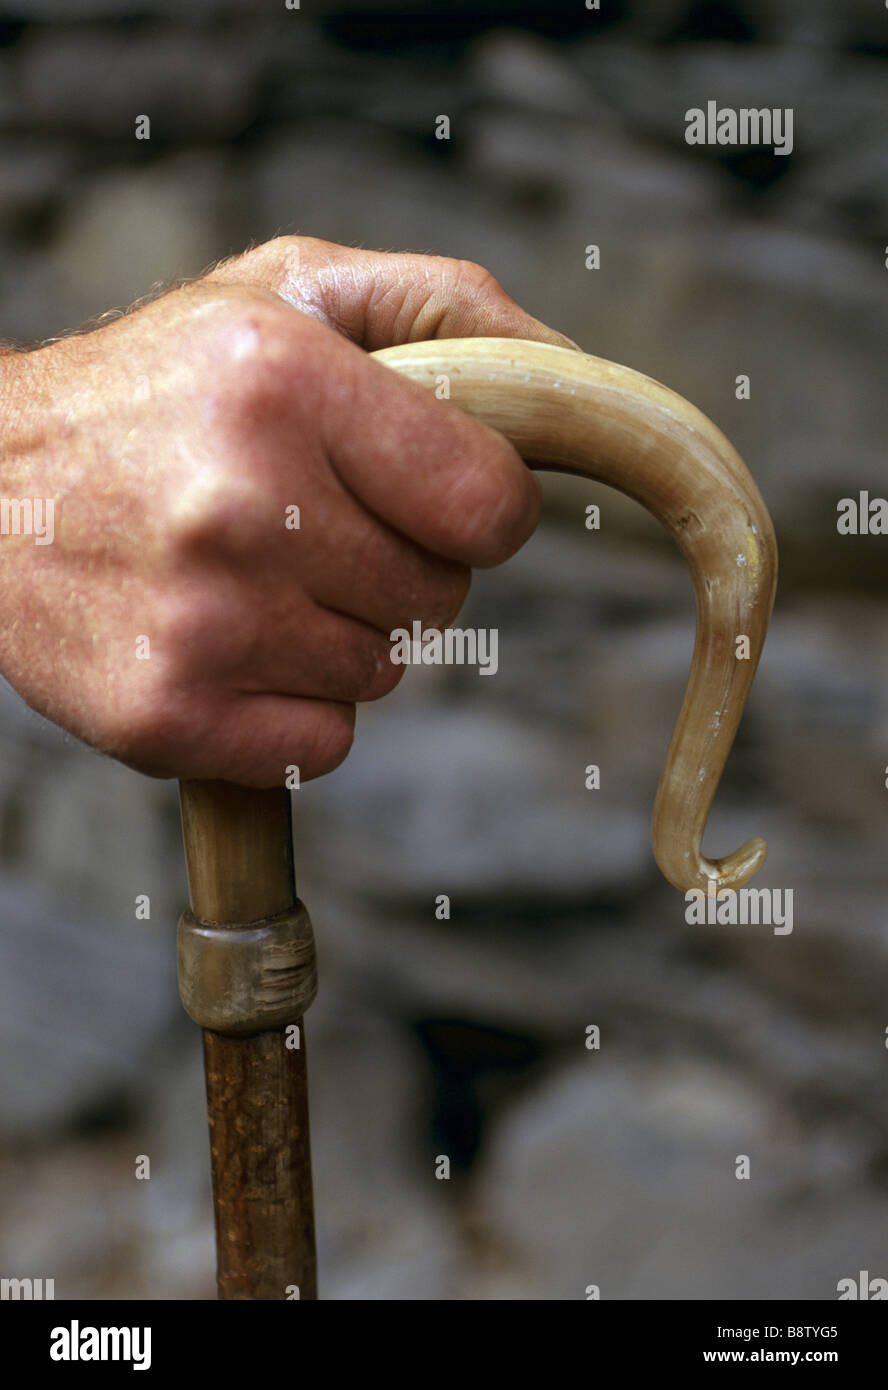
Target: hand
pixel 175 621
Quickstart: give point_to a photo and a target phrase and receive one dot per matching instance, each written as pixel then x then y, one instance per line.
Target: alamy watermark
pixel 26 1290
pixel 454 646
pixel 872 1289
pixel 745 125
pixel 28 516
pixel 728 907
pixel 862 515
pixel 76 1343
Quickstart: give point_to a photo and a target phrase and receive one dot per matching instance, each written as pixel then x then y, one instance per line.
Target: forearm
pixel 27 514
pixel 14 372
pixel 23 406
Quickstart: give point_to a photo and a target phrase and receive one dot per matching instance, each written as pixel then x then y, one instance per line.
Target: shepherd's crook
pixel 246 953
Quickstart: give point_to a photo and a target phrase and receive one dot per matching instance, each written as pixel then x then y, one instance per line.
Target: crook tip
pixel 694 871
pixel 734 870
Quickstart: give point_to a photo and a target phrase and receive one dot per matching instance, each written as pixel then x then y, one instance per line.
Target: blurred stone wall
pixel 467 1037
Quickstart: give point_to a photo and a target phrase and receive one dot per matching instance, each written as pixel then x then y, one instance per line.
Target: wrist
pixel 23 404
pixel 23 431
pixel 11 403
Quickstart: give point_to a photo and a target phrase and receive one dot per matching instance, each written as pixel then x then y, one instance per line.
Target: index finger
pixel 381 299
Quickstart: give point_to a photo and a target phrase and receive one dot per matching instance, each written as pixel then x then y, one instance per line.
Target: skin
pixel 172 440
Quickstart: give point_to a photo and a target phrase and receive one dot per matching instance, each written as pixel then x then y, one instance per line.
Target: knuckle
pixel 359 666
pixel 383 682
pixel 218 509
pixel 495 506
pixel 469 275
pixel 247 337
pixel 285 244
pixel 291 263
pixel 329 741
pixel 181 625
pixel 317 735
pixel 275 264
pixel 290 249
pixel 370 671
pixel 286 254
pixel 151 732
pixel 458 591
pixel 447 597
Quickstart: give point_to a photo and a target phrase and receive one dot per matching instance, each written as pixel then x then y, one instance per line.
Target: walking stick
pixel 246 951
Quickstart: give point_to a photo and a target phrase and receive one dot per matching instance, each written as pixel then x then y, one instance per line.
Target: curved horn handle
pixel 577 414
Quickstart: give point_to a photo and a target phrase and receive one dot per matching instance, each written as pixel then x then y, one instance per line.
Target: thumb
pixel 381 299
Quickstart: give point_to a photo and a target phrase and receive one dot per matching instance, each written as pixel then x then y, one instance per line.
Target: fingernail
pixel 557 339
pixel 568 342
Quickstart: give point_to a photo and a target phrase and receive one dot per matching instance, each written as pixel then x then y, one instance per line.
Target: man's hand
pixel 173 440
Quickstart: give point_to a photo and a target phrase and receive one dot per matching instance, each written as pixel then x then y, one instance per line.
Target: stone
pixel 622 1174
pixel 97 84
pixel 132 229
pixel 82 1002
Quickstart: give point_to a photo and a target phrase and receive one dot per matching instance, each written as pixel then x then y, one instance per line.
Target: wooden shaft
pixel 238 848
pixel 257 1102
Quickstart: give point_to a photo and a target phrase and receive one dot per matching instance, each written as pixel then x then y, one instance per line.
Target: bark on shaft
pixel 257 1102
pixel 238 845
